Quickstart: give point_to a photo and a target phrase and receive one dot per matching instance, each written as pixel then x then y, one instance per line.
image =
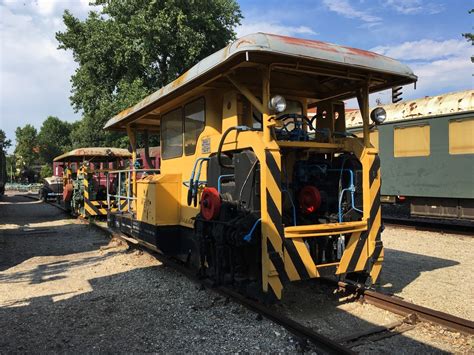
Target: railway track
pixel 321 342
pixel 404 308
pixel 413 313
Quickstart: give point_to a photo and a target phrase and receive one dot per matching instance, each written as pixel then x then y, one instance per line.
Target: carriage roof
pixel 429 106
pixel 329 60
pixel 98 154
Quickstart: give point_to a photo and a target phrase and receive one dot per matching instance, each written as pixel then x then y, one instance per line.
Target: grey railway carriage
pixel 427 156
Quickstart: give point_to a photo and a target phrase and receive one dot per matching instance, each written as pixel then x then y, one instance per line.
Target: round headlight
pixel 378 115
pixel 277 103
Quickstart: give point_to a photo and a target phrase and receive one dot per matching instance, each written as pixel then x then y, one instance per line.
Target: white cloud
pixel 441 66
pixel 263 25
pixel 411 7
pixel 445 75
pixel 425 49
pixel 344 8
pixel 34 74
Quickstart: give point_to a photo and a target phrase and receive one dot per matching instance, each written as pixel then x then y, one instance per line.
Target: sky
pixel 425 34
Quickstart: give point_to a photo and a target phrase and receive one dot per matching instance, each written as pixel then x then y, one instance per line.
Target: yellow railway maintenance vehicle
pixel 87 181
pixel 251 190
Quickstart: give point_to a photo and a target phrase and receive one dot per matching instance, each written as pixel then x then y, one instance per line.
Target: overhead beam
pixel 248 94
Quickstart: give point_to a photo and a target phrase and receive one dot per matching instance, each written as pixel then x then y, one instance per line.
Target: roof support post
pixel 247 93
pixel 132 136
pixel 266 125
pixel 363 100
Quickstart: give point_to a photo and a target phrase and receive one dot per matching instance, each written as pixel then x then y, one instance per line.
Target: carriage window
pixel 194 118
pixel 373 137
pixel 172 134
pixel 411 141
pixel 461 136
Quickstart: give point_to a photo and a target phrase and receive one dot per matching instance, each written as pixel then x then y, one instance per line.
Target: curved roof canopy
pixel 97 154
pixel 430 106
pixel 325 71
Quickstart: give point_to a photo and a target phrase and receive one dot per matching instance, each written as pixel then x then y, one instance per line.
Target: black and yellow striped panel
pixel 297 263
pixel 86 189
pixel 95 208
pixel 273 266
pixel 361 245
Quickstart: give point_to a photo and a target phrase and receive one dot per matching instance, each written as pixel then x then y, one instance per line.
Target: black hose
pixel 221 143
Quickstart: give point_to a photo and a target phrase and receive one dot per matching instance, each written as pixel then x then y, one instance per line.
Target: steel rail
pixel 402 307
pixel 321 342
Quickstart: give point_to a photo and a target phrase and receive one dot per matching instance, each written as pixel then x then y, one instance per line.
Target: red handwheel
pixel 210 203
pixel 309 199
pixel 67 192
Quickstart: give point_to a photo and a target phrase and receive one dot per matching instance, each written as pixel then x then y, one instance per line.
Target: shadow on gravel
pixel 331 313
pixel 135 311
pixel 18 245
pixel 400 268
pixel 20 210
pixel 51 271
pixel 141 310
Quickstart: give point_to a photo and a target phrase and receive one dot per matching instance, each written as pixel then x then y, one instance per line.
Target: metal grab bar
pixel 128 197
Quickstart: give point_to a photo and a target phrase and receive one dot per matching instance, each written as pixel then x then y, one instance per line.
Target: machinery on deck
pixel 86 178
pixel 251 191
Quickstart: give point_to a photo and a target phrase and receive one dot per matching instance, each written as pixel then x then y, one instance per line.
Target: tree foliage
pixel 53 139
pixel 4 142
pixel 129 48
pixel 469 36
pixel 26 149
pixel 46 171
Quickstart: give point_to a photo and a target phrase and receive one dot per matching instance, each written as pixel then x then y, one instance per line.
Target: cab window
pixel 172 134
pixel 194 120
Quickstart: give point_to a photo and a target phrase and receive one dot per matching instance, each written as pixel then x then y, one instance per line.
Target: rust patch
pixel 179 80
pixel 124 113
pixel 243 41
pixel 362 53
pixel 307 43
pixel 326 46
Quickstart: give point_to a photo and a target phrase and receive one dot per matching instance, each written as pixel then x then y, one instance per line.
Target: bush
pixel 46 171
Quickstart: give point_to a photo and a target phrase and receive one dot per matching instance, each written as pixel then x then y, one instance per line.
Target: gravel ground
pixel 63 289
pixel 430 268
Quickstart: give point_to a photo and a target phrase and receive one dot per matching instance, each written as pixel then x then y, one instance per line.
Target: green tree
pixel 11 167
pixel 4 142
pixel 26 149
pixel 469 36
pixel 130 48
pixel 53 139
pixel 46 171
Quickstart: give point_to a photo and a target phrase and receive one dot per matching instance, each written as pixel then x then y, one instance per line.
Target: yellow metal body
pixel 312 81
pixel 161 199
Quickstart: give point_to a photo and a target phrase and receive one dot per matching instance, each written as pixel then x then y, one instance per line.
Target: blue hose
pixel 248 236
pixel 219 180
pixel 352 189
